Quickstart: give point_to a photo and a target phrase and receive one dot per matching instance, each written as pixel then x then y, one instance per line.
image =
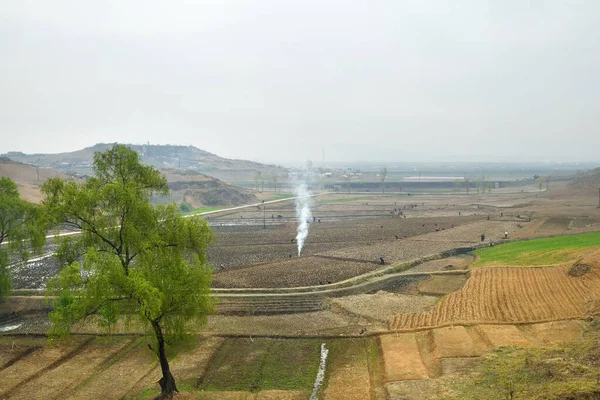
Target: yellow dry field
pixel 402 358
pixel 264 395
pixel 458 341
pixel 350 379
pixel 510 295
pixel 504 335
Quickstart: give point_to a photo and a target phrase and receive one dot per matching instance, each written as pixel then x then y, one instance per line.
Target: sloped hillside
pixel 201 190
pixel 28 178
pixel 587 178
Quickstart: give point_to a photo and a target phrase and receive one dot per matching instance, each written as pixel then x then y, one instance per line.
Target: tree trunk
pixel 167 382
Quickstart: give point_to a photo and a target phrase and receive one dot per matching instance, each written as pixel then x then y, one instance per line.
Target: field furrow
pixel 510 294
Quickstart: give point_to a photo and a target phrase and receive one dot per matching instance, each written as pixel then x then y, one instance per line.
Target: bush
pixel 185 207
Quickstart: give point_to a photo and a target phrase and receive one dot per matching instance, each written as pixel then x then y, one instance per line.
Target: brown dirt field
pixel 11 349
pixel 59 381
pixel 458 341
pixel 457 262
pixel 409 361
pixel 312 323
pixel 280 395
pixel 430 389
pixel 555 332
pixel 186 366
pixel 503 335
pixel 237 246
pixel 226 396
pixel 458 366
pixel 304 271
pixel 383 305
pixel 116 380
pixel 401 358
pixel 264 395
pixel 350 380
pixel 439 285
pixel 513 295
pixel 429 243
pixel 35 363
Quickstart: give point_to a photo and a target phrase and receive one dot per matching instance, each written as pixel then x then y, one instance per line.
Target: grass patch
pixel 567 371
pixel 538 252
pixel 243 364
pixel 375 367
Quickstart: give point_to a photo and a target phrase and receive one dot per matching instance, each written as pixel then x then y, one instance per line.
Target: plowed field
pixel 510 295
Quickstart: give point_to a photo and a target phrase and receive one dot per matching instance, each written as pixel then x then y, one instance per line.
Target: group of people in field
pixel 491 241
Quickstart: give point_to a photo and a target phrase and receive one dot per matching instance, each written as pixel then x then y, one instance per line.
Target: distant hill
pixel 160 156
pixel 588 181
pixel 194 188
pixel 201 190
pixel 28 178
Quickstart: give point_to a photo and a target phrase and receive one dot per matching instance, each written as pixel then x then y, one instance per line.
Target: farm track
pixel 509 295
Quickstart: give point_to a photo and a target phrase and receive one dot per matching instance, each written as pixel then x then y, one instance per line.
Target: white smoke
pixel 303 203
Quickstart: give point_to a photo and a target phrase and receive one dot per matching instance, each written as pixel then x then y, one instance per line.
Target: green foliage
pixel 185 207
pixel 539 251
pixel 132 258
pixel 21 225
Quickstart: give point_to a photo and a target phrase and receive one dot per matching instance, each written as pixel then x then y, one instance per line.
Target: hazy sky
pixel 277 80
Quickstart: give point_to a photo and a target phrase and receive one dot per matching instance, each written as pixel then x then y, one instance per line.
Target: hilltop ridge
pixel 159 156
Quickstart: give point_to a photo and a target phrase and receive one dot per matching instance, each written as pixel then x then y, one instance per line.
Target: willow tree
pixel 21 229
pixel 132 259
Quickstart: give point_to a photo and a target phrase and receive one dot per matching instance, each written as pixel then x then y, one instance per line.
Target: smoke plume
pixel 303 203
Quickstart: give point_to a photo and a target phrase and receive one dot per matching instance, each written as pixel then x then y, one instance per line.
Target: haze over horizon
pixel 282 82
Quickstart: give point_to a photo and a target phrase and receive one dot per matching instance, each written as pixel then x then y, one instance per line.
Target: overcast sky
pixel 277 81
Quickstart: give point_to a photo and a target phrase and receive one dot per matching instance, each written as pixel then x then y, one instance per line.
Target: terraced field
pixel 511 295
pixel 299 271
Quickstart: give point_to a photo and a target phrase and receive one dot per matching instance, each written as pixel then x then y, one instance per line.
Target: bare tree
pixel 478 185
pixel 347 178
pixel 457 185
pixel 467 184
pixel 382 175
pixel 309 165
pixel 275 178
